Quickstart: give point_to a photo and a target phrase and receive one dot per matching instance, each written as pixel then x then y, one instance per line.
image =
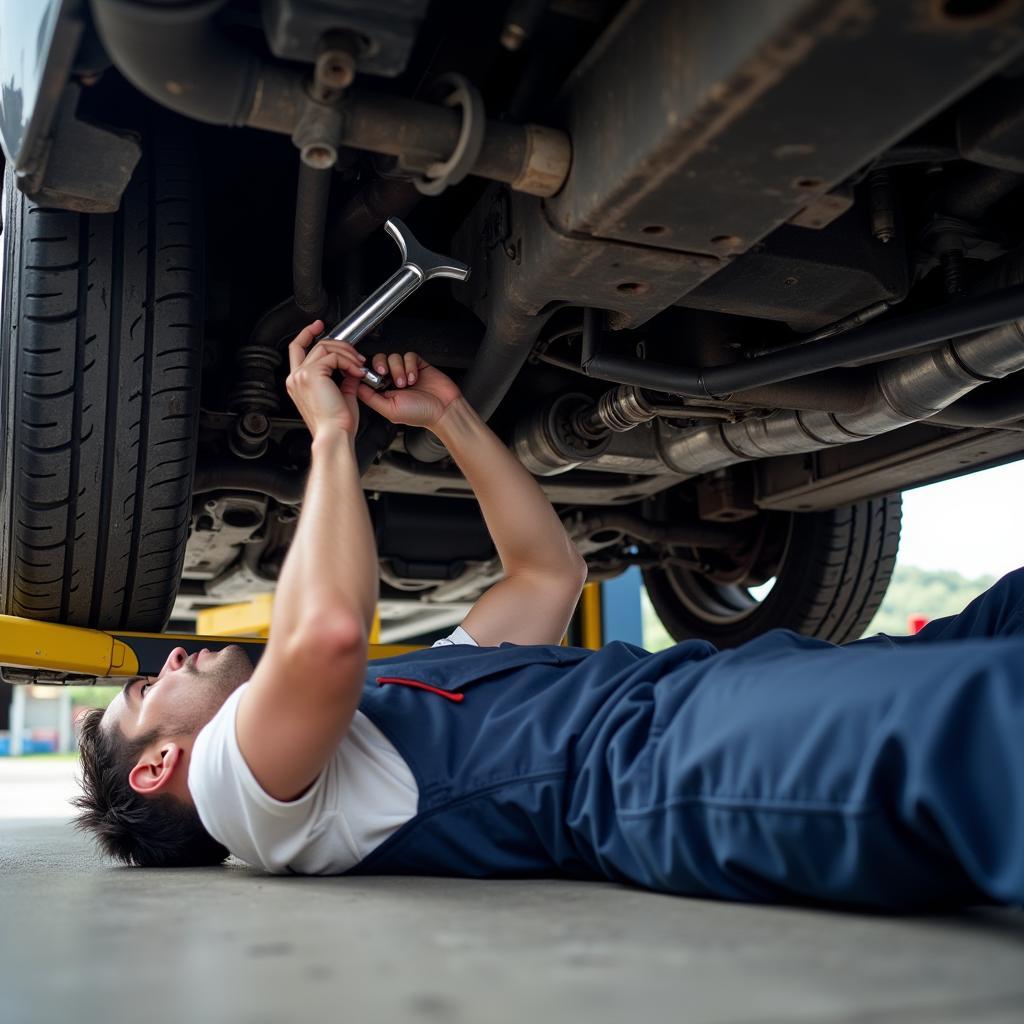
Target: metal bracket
pixel 317 133
pixel 457 91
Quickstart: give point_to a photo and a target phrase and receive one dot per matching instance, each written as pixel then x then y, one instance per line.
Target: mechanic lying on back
pixel 886 772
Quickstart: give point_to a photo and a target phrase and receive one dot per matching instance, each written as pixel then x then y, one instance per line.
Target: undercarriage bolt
pixel 882 203
pixel 249 438
pixel 254 423
pixel 521 22
pixel 952 263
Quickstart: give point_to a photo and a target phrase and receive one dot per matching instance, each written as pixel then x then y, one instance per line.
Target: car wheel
pixel 828 571
pixel 100 347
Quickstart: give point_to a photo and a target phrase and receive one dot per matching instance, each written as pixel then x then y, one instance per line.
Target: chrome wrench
pixel 419 265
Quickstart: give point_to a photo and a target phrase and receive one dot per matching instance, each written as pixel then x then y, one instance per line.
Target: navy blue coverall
pixel 888 772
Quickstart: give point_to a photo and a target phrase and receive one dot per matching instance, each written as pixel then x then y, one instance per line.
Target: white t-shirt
pixel 364 794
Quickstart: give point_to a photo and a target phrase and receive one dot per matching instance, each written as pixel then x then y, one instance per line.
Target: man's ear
pixel 155 769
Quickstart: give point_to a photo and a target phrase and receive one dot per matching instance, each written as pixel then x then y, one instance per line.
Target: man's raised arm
pixel 307 685
pixel 544 574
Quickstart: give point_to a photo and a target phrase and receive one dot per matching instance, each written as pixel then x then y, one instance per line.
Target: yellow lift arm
pixel 47 652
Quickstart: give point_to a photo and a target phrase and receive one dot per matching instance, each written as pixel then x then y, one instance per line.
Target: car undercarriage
pixel 740 274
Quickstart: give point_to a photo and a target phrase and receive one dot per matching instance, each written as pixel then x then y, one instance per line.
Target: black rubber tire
pixel 100 351
pixel 833 574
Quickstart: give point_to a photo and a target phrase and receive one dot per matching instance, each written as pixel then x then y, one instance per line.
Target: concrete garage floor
pixel 83 941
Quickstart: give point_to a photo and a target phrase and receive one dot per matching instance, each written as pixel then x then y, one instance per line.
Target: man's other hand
pixel 420 394
pixel 324 403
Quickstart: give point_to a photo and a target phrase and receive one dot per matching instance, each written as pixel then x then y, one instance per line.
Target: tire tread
pixel 100 459
pixel 832 582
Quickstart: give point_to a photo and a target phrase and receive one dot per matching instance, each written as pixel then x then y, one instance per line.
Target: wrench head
pixel 377 381
pixel 429 264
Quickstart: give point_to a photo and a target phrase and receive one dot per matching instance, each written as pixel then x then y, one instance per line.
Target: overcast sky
pixel 974 525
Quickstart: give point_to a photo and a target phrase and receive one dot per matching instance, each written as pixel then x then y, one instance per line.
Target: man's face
pixel 183 697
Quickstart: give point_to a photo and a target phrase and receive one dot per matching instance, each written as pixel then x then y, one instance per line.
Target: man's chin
pixel 237 667
pixel 226 674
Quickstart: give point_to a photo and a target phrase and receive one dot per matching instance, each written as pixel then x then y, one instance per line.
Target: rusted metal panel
pixel 524 265
pixel 702 127
pixel 383 32
pixel 808 279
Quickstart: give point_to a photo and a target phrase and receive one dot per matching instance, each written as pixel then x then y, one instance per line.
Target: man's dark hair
pixel 152 832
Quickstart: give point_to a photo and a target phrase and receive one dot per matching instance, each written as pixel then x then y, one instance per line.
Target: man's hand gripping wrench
pixel 418 266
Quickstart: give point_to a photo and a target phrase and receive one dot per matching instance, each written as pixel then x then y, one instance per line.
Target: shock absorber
pixel 254 398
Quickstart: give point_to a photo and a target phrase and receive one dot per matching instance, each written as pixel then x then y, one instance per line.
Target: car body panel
pixel 28 58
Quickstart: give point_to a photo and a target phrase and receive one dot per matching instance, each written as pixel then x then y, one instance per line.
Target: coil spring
pixel 255 388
